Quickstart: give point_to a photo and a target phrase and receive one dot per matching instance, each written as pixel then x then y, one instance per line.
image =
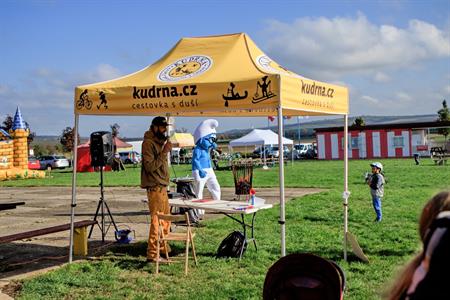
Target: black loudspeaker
pixel 101 148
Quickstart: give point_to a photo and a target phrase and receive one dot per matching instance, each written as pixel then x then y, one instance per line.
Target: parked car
pixel 33 163
pixel 259 151
pixel 274 151
pixel 311 153
pixel 53 162
pixel 300 150
pixel 130 157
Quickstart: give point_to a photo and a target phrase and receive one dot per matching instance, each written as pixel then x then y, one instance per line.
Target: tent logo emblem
pixel 267 64
pixel 184 68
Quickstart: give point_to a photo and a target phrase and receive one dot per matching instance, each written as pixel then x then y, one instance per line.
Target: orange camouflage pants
pixel 157 202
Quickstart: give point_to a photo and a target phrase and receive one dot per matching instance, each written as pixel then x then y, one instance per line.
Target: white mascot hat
pixel 204 128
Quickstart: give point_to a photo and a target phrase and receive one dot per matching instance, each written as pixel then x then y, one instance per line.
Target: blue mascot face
pixel 208 141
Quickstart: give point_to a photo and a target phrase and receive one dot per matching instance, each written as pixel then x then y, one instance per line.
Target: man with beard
pixel 155 179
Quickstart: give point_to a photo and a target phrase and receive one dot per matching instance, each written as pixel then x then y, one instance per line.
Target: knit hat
pixel 204 128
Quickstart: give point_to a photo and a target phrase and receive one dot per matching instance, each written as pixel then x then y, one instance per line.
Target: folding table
pixel 229 209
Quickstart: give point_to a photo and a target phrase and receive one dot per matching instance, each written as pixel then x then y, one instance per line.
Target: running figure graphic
pixel 104 102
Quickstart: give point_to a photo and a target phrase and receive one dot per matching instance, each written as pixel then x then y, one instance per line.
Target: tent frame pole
pixel 74 185
pixel 281 175
pixel 292 154
pixel 264 153
pixel 170 131
pixel 346 193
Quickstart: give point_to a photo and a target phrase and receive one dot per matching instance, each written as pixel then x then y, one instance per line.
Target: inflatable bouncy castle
pixel 14 151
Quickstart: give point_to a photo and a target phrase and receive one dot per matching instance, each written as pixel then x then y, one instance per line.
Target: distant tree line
pixel 67 140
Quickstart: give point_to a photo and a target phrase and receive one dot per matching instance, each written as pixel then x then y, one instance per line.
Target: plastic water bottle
pixel 252 200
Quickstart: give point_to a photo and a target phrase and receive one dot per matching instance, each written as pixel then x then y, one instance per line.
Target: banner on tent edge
pixel 259 93
pixel 311 95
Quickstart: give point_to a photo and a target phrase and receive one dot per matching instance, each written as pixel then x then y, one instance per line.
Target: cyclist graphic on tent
pixel 84 101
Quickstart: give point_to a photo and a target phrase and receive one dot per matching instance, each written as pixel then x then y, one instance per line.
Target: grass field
pixel 313 224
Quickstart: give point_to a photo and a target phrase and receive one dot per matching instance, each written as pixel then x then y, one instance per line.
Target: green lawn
pixel 314 224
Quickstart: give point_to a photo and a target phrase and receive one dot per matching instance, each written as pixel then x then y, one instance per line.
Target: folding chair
pixel 186 236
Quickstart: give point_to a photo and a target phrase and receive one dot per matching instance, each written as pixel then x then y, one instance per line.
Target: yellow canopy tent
pixel 179 139
pixel 226 75
pixel 212 76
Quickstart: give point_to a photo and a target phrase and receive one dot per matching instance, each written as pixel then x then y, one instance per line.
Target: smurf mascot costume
pixel 202 171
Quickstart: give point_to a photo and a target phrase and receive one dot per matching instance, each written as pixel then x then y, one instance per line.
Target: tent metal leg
pixel 74 186
pixel 346 193
pixel 281 175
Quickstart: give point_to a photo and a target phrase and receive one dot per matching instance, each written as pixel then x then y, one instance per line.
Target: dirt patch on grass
pixel 12 289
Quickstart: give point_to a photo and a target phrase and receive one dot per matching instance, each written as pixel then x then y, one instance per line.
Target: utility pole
pixel 298 128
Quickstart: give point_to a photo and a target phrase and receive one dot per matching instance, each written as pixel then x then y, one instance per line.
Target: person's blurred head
pixel 159 127
pixel 376 167
pixel 440 202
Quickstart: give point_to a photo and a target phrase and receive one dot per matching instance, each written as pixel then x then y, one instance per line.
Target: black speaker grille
pixel 101 148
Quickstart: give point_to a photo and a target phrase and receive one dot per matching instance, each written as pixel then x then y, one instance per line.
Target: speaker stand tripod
pixel 101 209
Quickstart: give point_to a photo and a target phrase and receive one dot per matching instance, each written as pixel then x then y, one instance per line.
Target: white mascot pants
pixel 211 183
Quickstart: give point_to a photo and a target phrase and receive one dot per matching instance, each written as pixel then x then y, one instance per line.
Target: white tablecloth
pixel 222 206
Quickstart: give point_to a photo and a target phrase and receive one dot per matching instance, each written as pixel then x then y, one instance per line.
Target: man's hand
pixel 167 147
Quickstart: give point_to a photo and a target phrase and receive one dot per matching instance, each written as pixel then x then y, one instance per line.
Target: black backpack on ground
pixel 231 246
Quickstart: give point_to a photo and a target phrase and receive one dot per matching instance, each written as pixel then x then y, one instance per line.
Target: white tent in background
pixel 259 137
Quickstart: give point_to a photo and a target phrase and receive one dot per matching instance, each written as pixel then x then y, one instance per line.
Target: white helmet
pixel 377 165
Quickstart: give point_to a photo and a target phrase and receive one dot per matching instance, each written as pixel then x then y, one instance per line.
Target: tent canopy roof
pixel 181 140
pixel 259 137
pixel 226 75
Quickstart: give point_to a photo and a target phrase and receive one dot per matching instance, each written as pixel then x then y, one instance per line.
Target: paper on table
pixel 202 200
pixel 243 207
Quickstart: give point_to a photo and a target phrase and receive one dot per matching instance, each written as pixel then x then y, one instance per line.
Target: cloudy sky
pixel 393 55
